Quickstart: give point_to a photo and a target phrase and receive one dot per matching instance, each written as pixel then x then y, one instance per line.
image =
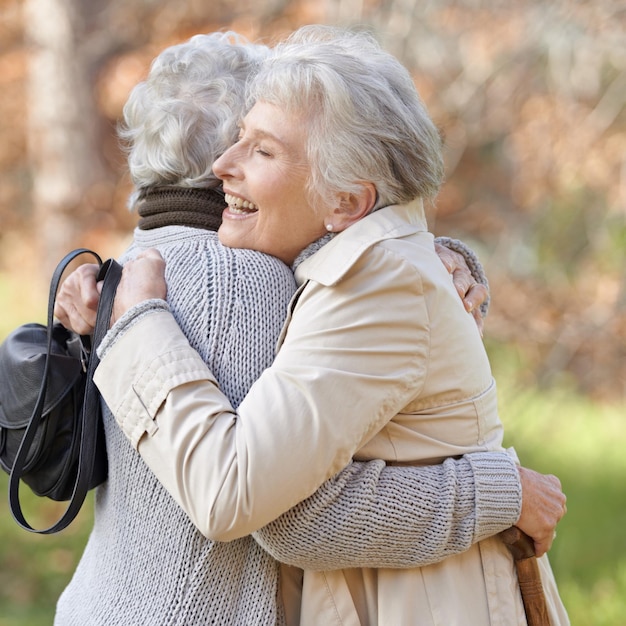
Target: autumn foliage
pixel 529 95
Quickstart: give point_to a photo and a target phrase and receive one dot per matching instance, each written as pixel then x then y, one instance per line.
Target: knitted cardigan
pixel 145 563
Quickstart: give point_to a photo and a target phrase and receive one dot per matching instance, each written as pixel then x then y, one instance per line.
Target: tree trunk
pixel 62 125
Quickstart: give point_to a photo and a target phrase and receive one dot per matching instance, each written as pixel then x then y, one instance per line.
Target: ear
pixel 352 207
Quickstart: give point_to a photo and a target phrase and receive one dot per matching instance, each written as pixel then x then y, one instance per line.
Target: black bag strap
pixel 110 272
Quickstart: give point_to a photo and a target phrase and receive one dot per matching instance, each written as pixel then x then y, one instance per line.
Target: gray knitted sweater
pixel 146 564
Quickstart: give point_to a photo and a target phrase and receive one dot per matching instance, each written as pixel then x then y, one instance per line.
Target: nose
pixel 224 166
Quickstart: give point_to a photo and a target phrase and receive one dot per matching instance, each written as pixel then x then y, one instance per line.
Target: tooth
pixel 240 204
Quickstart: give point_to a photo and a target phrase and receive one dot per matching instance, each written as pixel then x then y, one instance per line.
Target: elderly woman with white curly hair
pixel 378 360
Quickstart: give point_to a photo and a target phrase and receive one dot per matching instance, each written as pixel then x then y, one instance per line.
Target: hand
pixel 77 300
pixel 142 279
pixel 471 292
pixel 543 506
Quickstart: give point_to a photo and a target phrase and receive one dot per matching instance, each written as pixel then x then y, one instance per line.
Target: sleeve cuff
pixel 127 321
pixel 498 492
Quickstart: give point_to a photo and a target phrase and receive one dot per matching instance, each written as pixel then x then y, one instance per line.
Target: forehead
pixel 271 122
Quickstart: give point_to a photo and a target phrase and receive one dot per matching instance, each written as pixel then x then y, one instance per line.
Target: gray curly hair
pixel 186 113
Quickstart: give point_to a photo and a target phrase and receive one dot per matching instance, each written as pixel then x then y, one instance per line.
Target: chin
pixel 232 241
pixel 228 238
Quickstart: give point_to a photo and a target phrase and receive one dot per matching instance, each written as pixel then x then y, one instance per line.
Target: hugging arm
pixel 374 515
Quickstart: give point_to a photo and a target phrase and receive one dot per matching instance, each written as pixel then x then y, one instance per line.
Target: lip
pixel 227 214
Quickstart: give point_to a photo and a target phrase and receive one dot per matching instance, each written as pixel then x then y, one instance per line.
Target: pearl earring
pixel 329 228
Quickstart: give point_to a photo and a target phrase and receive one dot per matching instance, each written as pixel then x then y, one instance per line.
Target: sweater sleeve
pixel 374 515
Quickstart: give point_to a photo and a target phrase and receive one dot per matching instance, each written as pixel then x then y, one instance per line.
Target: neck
pixel 311 249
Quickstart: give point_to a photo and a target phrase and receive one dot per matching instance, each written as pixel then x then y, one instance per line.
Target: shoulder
pixel 377 235
pixel 385 263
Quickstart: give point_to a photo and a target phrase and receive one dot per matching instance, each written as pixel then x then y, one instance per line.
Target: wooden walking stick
pixel 523 550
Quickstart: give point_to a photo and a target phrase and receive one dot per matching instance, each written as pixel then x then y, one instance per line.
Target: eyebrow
pixel 292 150
pixel 259 133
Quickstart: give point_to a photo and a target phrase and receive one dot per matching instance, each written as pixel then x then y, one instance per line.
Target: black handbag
pixel 51 432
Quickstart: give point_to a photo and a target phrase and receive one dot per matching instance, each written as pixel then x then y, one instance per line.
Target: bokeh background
pixel 530 96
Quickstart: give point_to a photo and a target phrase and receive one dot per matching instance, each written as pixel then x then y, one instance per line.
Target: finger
pixel 77 300
pixel 471 292
pixel 61 314
pixel 478 318
pixel 542 544
pixel 467 288
pixel 446 257
pixel 476 294
pixel 72 318
pixel 463 281
pixel 150 253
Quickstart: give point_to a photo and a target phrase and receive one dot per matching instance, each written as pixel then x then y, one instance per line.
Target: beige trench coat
pixel 476 588
pixel 378 359
pixel 454 413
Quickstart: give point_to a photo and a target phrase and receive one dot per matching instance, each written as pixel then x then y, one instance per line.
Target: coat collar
pixel 332 261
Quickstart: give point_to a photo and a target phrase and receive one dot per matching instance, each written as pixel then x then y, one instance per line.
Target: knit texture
pixel 385 498
pixel 145 562
pixel 180 206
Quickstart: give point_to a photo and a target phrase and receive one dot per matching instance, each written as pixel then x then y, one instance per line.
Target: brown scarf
pixel 180 206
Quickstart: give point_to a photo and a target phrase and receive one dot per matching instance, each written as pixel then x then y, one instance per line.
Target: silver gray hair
pixel 367 122
pixel 186 113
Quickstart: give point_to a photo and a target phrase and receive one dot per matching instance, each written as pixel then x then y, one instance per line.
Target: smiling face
pixel 265 175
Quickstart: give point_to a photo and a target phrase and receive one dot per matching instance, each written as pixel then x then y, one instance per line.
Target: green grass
pixel 582 443
pixel 34 569
pixel 553 431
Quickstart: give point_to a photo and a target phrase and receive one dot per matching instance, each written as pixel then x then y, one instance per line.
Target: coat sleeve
pixel 346 367
pixel 374 515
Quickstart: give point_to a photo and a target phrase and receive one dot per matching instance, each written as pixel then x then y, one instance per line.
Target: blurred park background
pixel 530 96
